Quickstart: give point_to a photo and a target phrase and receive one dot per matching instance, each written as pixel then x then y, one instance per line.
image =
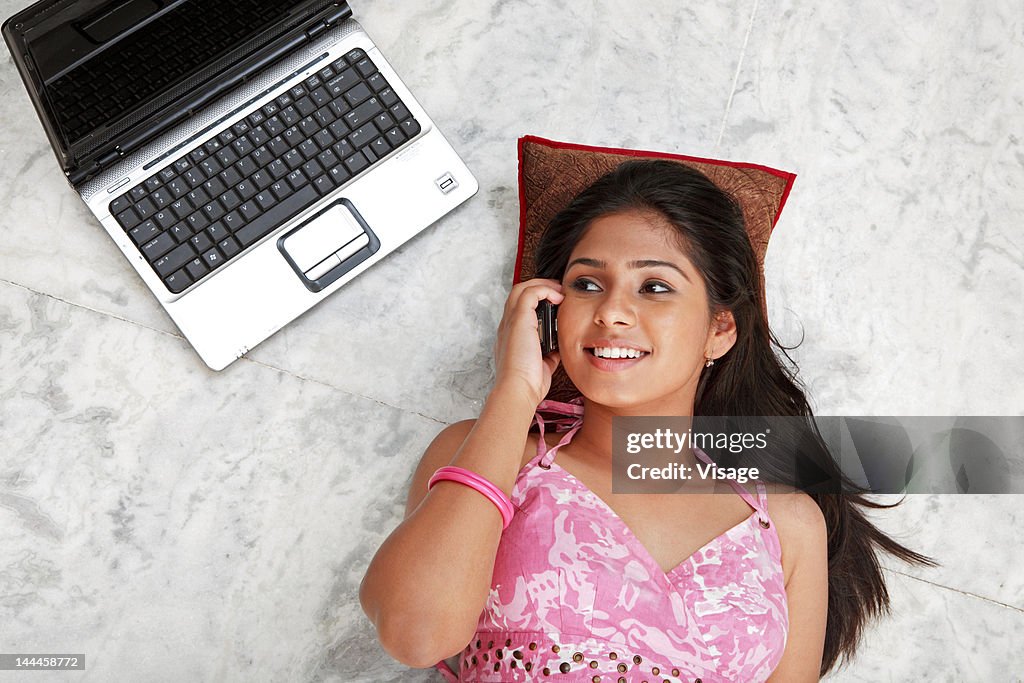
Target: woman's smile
pixel 612 355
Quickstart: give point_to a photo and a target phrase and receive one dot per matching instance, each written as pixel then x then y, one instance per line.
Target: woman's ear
pixel 721 335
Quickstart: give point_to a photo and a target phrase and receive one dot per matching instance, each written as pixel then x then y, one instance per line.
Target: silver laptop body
pixel 308 257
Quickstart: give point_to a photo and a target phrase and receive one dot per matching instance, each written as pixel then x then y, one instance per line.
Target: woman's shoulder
pixel 799 523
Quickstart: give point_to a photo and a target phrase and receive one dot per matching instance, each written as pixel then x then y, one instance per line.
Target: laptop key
pixel 277 216
pixel 230 176
pixel 245 189
pixel 162 197
pixel 400 112
pixel 178 187
pixel 177 258
pixel 363 113
pixel 363 136
pixel 246 167
pixel 229 200
pixel 196 268
pixel 181 207
pixel 164 219
pixel 197 221
pixel 380 147
pixel 290 115
pixel 308 149
pixel 377 82
pixel 356 163
pixel 324 184
pixel 395 136
pixel 312 169
pixel 145 209
pixel 224 228
pixel 249 210
pixel 309 126
pixel 274 126
pixel 229 247
pixel 182 165
pixel 167 174
pixel 156 248
pixel 152 183
pixel 320 97
pixel 358 94
pixel 410 127
pixel 261 179
pixel 265 200
pixel 128 218
pixel 178 282
pixel 366 67
pixel 180 232
pixel 388 97
pixel 355 55
pixel 213 258
pixel 306 106
pixel 293 158
pixel 210 166
pixel 297 179
pixel 344 81
pixel 138 193
pixel 146 232
pixel 200 242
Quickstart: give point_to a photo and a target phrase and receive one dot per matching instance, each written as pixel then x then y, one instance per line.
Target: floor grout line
pixel 956 590
pixel 92 310
pixel 736 76
pixel 269 366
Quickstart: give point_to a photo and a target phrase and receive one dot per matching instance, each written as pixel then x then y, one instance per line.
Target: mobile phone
pixel 547 316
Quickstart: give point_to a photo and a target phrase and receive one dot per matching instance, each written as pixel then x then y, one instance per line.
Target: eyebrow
pixel 642 263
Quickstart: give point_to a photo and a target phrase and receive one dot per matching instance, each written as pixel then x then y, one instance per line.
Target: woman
pixel 656 284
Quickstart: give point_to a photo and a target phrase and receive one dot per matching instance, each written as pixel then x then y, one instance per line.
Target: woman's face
pixel 634 329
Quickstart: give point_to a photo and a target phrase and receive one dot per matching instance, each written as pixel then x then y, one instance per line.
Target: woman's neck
pixel 594 442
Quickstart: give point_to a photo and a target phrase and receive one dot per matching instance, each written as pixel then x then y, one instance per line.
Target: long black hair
pixel 751 378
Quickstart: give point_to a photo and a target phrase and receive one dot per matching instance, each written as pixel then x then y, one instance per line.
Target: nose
pixel 614 310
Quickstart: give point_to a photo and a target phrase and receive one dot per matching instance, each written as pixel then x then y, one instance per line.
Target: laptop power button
pixel 446 183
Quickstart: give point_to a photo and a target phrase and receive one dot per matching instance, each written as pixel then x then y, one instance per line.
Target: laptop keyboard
pixel 208 206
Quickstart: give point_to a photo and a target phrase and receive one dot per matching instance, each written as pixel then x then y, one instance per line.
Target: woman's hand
pixel 519 364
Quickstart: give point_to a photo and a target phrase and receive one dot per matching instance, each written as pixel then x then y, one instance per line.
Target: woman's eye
pixel 655 288
pixel 584 285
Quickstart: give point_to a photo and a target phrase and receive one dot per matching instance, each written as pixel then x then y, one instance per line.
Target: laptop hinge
pixel 340 12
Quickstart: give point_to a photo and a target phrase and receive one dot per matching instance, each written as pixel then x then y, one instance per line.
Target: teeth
pixel 616 352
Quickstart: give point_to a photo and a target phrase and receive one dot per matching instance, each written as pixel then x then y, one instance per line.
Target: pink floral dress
pixel 576 597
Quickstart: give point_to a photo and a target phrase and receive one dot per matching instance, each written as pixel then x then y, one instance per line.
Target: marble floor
pixel 173 523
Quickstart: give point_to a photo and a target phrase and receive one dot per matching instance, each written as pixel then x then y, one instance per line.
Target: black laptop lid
pixel 102 73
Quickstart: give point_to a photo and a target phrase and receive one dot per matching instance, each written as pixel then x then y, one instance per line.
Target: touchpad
pixel 328 245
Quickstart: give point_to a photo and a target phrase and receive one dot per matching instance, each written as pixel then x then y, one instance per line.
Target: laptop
pixel 248 157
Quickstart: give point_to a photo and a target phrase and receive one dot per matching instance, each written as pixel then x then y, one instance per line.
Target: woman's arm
pixel 804 538
pixel 427 585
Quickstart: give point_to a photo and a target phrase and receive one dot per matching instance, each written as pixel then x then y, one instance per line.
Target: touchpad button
pixel 336 237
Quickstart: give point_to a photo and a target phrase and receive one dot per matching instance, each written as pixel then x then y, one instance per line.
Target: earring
pixel 709 362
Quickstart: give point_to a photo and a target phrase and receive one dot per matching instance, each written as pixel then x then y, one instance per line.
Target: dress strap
pixel 570 421
pixel 446 672
pixel 761 504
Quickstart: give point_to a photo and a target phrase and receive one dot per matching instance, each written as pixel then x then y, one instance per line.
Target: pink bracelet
pixel 475 481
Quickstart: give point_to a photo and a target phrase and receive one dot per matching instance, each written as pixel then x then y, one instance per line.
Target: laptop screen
pixel 104 67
